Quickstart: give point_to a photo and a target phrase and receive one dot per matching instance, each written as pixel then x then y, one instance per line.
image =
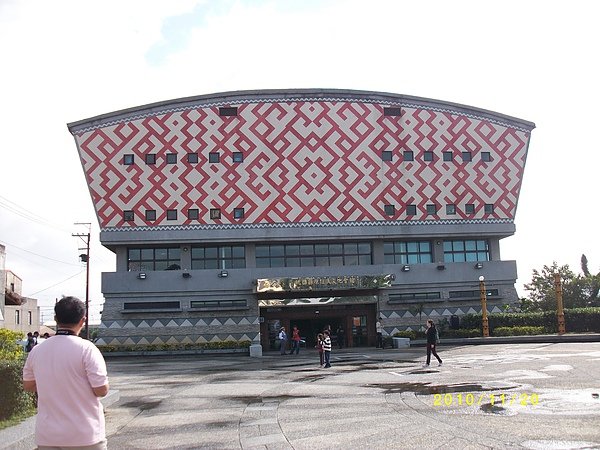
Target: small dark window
pixel 447 156
pixel 215 213
pixel 489 208
pixel 470 208
pixel 213 157
pixel 389 210
pixel 193 214
pixel 431 209
pixel 150 158
pixel 128 160
pixel 411 210
pixel 238 157
pixel 428 156
pixel 408 155
pixel 386 155
pixel 228 111
pixel 450 209
pixel 171 158
pixel 150 215
pixel 466 156
pixel 128 216
pixel 486 156
pixel 238 213
pixel 392 111
pixel 171 214
pixel 192 158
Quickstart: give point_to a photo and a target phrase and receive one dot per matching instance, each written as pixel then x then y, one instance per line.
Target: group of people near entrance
pixel 323 342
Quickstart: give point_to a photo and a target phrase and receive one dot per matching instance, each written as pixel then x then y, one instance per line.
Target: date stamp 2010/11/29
pixel 470 399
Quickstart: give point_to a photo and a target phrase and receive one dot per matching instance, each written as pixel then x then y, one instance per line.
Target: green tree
pixel 542 293
pixel 591 283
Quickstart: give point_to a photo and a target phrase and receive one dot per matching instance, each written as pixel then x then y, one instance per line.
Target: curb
pixel 536 339
pixel 22 435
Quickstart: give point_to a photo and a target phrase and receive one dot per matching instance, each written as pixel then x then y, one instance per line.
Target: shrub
pixel 461 333
pixel 406 334
pixel 13 399
pixel 10 349
pixel 222 345
pixel 518 331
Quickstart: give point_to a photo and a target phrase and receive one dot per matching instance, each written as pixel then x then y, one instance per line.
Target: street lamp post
pixel 483 297
pixel 560 314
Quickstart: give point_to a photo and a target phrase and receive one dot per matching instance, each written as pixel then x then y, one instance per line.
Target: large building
pixel 20 313
pixel 235 213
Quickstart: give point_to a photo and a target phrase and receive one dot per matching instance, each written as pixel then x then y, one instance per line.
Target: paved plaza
pixel 533 396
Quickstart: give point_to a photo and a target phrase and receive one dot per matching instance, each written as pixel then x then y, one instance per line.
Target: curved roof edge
pixel 226 98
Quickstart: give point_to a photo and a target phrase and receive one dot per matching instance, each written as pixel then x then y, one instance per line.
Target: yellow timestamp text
pixel 502 399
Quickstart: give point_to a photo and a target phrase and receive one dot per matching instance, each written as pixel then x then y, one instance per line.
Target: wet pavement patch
pixel 253 399
pixel 143 405
pixel 428 389
pixel 488 408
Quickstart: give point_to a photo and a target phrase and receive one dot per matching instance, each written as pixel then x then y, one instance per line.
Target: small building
pixel 20 313
pixel 233 214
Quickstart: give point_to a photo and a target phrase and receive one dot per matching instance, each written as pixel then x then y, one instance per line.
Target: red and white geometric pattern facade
pixel 306 162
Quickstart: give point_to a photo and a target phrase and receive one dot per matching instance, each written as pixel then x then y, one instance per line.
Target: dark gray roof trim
pixel 287 95
pixel 302 225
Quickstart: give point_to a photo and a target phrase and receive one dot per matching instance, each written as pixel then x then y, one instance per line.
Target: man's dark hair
pixel 69 311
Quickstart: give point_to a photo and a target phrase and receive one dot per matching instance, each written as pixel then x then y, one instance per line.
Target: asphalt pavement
pixel 532 396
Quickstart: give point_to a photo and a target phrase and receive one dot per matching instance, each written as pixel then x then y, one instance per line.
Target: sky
pixel 64 61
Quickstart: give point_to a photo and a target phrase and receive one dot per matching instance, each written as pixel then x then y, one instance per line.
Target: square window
pixel 128 216
pixel 386 155
pixel 411 210
pixel 389 210
pixel 408 155
pixel 213 157
pixel 450 209
pixel 447 156
pixel 431 209
pixel 428 156
pixel 150 158
pixel 171 158
pixel 193 214
pixel 228 111
pixel 192 158
pixel 470 208
pixel 128 160
pixel 171 214
pixel 466 156
pixel 238 157
pixel 486 156
pixel 215 213
pixel 150 215
pixel 489 208
pixel 395 111
pixel 238 213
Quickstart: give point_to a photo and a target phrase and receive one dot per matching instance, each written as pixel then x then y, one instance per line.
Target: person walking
pixel 69 375
pixel 379 330
pixel 340 336
pixel 319 347
pixel 282 340
pixel 432 340
pixel 327 349
pixel 295 340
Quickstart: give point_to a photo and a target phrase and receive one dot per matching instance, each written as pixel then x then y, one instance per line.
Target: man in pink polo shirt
pixel 69 375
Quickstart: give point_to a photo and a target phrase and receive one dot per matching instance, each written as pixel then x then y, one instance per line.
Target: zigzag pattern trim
pixel 305 225
pixel 171 339
pixel 209 104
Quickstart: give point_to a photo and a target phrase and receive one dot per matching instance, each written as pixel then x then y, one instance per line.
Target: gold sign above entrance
pixel 320 301
pixel 298 284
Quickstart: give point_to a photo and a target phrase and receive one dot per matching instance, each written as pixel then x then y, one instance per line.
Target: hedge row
pixel 13 399
pixel 518 331
pixel 577 320
pixel 171 347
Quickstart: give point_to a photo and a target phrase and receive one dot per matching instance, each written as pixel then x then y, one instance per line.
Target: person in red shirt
pixel 295 340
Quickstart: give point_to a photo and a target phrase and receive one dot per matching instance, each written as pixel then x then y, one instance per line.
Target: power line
pixel 37 254
pixel 54 285
pixel 26 214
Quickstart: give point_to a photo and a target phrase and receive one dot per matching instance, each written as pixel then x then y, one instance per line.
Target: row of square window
pixel 238 157
pixel 192 158
pixel 409 155
pixel 192 214
pixel 411 210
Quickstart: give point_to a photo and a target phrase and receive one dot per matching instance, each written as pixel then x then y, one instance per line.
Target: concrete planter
pixel 399 342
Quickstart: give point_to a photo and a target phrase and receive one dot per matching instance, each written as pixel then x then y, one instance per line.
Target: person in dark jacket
pixel 432 338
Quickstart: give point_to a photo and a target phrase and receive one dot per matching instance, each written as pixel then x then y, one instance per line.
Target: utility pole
pixel 85 257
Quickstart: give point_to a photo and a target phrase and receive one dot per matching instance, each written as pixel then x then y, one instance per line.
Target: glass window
pixel 150 158
pixel 215 213
pixel 238 213
pixel 389 210
pixel 486 156
pixel 450 210
pixel 431 209
pixel 470 208
pixel 408 155
pixel 150 215
pixel 466 156
pixel 171 214
pixel 386 155
pixel 447 156
pixel 466 250
pixel 309 255
pixel 411 210
pixel 213 157
pixel 128 216
pixel 238 157
pixel 192 158
pixel 193 214
pixel 407 252
pixel 427 156
pixel 218 257
pixel 153 259
pixel 488 208
pixel 171 158
pixel 128 160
